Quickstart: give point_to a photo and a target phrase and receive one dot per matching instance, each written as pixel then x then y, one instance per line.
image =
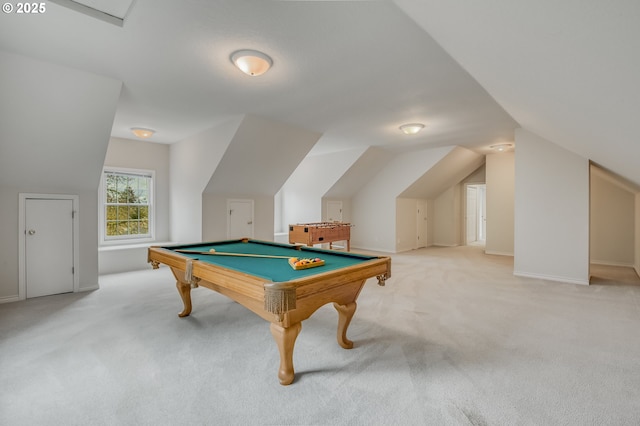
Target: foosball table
pixel 320 233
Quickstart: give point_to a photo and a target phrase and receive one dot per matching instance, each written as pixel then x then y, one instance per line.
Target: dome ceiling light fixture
pixel 142 133
pixel 411 128
pixel 251 62
pixel 501 147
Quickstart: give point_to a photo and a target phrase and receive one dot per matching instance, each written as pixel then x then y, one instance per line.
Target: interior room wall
pixel 191 164
pixel 637 233
pixel 447 208
pixel 407 223
pixel 346 208
pixel 374 206
pixel 214 223
pixel 551 211
pixel 612 222
pixel 303 191
pixel 62 115
pixel 134 154
pixel 500 181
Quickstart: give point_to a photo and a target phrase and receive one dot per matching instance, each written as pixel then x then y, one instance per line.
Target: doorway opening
pixel 475 214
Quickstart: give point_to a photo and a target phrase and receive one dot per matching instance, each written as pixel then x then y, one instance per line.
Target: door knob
pixel 250 223
pixel 32 231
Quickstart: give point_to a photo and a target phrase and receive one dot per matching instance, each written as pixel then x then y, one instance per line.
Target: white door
pixel 48 246
pixel 239 218
pixel 334 211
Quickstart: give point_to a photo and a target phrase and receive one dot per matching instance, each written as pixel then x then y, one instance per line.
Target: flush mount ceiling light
pixel 501 147
pixel 411 128
pixel 142 133
pixel 251 62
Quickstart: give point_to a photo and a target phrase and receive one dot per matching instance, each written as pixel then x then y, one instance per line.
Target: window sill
pixel 131 246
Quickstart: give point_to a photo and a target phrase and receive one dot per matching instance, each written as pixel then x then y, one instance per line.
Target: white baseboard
pixel 609 263
pixel 498 253
pixel 9 299
pixel 551 278
pixel 94 287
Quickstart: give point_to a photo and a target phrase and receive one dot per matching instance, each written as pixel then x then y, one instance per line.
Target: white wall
pixel 53 139
pixel 214 222
pixel 407 223
pixel 637 233
pixel 612 221
pixel 134 154
pixel 315 175
pixel 374 206
pixel 447 210
pixel 551 211
pixel 500 181
pixel 191 164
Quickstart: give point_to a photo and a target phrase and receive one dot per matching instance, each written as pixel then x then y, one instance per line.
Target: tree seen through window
pixel 127 205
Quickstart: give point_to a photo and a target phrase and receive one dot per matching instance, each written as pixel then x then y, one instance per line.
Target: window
pixel 127 205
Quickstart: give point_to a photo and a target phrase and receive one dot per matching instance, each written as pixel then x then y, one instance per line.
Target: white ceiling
pixel 354 71
pixel 566 70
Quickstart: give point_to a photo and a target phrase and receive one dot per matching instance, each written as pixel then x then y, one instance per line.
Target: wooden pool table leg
pixel 285 339
pixel 184 289
pixel 345 314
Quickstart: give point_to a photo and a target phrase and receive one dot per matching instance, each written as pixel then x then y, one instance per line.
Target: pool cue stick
pixel 219 253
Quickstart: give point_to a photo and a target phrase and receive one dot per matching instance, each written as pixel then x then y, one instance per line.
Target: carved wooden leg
pixel 345 313
pixel 285 339
pixel 184 289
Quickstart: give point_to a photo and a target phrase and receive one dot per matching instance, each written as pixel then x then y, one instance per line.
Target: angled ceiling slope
pixel 261 156
pixel 566 71
pixel 453 168
pixel 55 130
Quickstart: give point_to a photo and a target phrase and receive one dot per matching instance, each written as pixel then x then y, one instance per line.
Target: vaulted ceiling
pixel 354 71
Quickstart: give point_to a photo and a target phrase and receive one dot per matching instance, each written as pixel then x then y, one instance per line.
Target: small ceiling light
pixel 411 128
pixel 142 133
pixel 251 62
pixel 501 147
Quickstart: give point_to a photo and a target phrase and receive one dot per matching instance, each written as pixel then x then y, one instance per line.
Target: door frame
pixel 22 231
pixel 478 214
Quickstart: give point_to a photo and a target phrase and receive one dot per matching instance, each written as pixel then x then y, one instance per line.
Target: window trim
pixel 125 240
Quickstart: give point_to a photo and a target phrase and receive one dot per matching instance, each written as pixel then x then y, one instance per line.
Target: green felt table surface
pixel 276 270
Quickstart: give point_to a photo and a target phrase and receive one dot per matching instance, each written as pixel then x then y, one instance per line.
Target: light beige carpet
pixel 453 339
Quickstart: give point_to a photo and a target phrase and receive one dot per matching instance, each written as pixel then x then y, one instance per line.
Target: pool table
pixel 258 275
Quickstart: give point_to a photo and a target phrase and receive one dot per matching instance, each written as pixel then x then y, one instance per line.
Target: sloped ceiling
pixel 566 70
pixel 453 168
pixel 260 157
pixel 362 171
pixel 351 70
pixel 54 124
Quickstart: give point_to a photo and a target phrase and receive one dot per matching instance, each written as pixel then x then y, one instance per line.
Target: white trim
pixel 102 240
pixel 551 278
pixel 498 253
pixel 609 263
pixel 9 299
pixel 22 199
